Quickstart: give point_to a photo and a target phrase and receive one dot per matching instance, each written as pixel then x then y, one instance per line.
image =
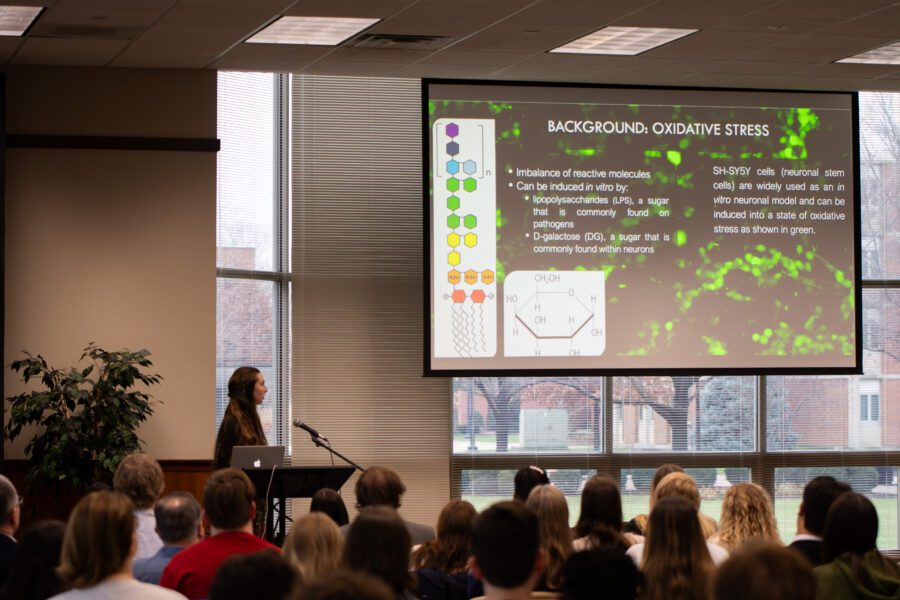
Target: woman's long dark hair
pixel 242 407
pixel 601 514
pixel 449 551
pixel 33 575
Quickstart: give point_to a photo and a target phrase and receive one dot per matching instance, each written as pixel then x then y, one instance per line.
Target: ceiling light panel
pixel 15 20
pixel 624 41
pixel 886 55
pixel 311 31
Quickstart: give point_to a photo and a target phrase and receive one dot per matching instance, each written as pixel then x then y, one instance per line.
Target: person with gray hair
pixel 9 523
pixel 140 477
pixel 177 523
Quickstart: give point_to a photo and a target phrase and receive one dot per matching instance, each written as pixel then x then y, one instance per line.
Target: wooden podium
pixel 292 482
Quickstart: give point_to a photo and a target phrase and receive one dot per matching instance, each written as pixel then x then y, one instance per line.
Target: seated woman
pixel 854 567
pixel 556 538
pixel 328 501
pixel 33 575
pixel 314 546
pixel 747 514
pixel 676 562
pixel 379 544
pixel 97 551
pixel 682 484
pixel 600 522
pixel 638 525
pixel 441 564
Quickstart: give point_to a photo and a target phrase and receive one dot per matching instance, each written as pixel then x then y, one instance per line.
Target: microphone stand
pixel 321 443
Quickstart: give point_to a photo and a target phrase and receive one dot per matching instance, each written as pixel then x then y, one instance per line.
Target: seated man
pixel 10 513
pixel 140 478
pixel 506 554
pixel 177 523
pixel 818 496
pixel 229 509
pixel 381 486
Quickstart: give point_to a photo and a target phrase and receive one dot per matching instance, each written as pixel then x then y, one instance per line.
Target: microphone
pixel 308 429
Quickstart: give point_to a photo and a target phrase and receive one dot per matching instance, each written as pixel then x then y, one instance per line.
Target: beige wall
pixel 116 246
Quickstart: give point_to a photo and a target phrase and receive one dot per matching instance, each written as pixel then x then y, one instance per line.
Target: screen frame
pixel 428 245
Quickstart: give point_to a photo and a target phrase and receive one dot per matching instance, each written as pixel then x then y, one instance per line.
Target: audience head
pixel 228 499
pixel 851 527
pixel 258 575
pixel 449 551
pixel 140 478
pixel 676 483
pixel 98 540
pixel 676 561
pixel 608 570
pixel 601 513
pixel 314 546
pixel 328 501
pixel 177 518
pixel 9 506
pixel 506 546
pixel 661 472
pixel 378 543
pixel 346 585
pixel 526 479
pixel 765 570
pixel 33 575
pixel 818 495
pixel 747 514
pixel 552 510
pixel 379 486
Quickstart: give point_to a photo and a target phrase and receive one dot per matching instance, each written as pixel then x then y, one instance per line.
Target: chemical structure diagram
pixel 554 313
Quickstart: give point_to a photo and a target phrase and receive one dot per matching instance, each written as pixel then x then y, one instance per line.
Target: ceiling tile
pixel 51 51
pixel 793 26
pixel 487 59
pixel 745 67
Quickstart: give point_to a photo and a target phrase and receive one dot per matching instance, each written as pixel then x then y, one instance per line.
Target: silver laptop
pixel 257 457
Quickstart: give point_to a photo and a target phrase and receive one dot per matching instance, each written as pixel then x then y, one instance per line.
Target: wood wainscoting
pixel 185 475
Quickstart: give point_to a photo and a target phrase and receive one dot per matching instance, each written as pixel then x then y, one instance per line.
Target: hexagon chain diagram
pixel 464 279
pixel 554 313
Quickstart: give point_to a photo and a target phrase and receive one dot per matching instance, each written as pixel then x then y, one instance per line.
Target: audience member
pixel 681 484
pixel 34 576
pixel 747 514
pixel 818 495
pixel 140 478
pixel 550 505
pixel 378 543
pixel 228 510
pixel 314 546
pixel 328 501
pixel 346 585
pixel 638 525
pixel 178 525
pixel 265 575
pixel 98 549
pixel 506 553
pixel 854 568
pixel 526 479
pixel 381 486
pixel 10 513
pixel 605 573
pixel 449 551
pixel 600 522
pixel 676 561
pixel 764 570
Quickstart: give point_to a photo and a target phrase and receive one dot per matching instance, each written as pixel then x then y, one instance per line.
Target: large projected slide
pixel 640 230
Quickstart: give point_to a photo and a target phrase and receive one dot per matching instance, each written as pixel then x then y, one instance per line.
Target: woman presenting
pixel 241 426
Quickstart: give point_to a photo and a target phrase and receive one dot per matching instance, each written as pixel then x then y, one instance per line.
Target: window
pixel 777 431
pixel 252 259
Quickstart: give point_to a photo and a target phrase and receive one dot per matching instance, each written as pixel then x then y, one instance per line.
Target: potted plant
pixel 87 418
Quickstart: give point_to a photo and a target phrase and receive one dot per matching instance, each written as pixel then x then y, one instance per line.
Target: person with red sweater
pixel 229 509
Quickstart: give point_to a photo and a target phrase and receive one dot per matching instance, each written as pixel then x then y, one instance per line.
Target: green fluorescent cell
pixel 674 157
pixel 453 184
pixel 453 203
pixel 689 212
pixel 652 153
pixel 453 221
pixel 680 237
pixel 669 325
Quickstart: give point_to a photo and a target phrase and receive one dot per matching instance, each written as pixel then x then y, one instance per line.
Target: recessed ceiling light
pixel 623 40
pixel 886 55
pixel 312 31
pixel 15 20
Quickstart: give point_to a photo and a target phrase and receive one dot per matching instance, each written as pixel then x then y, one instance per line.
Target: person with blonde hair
pixel 98 549
pixel 676 561
pixel 314 546
pixel 679 483
pixel 638 525
pixel 747 514
pixel 556 537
